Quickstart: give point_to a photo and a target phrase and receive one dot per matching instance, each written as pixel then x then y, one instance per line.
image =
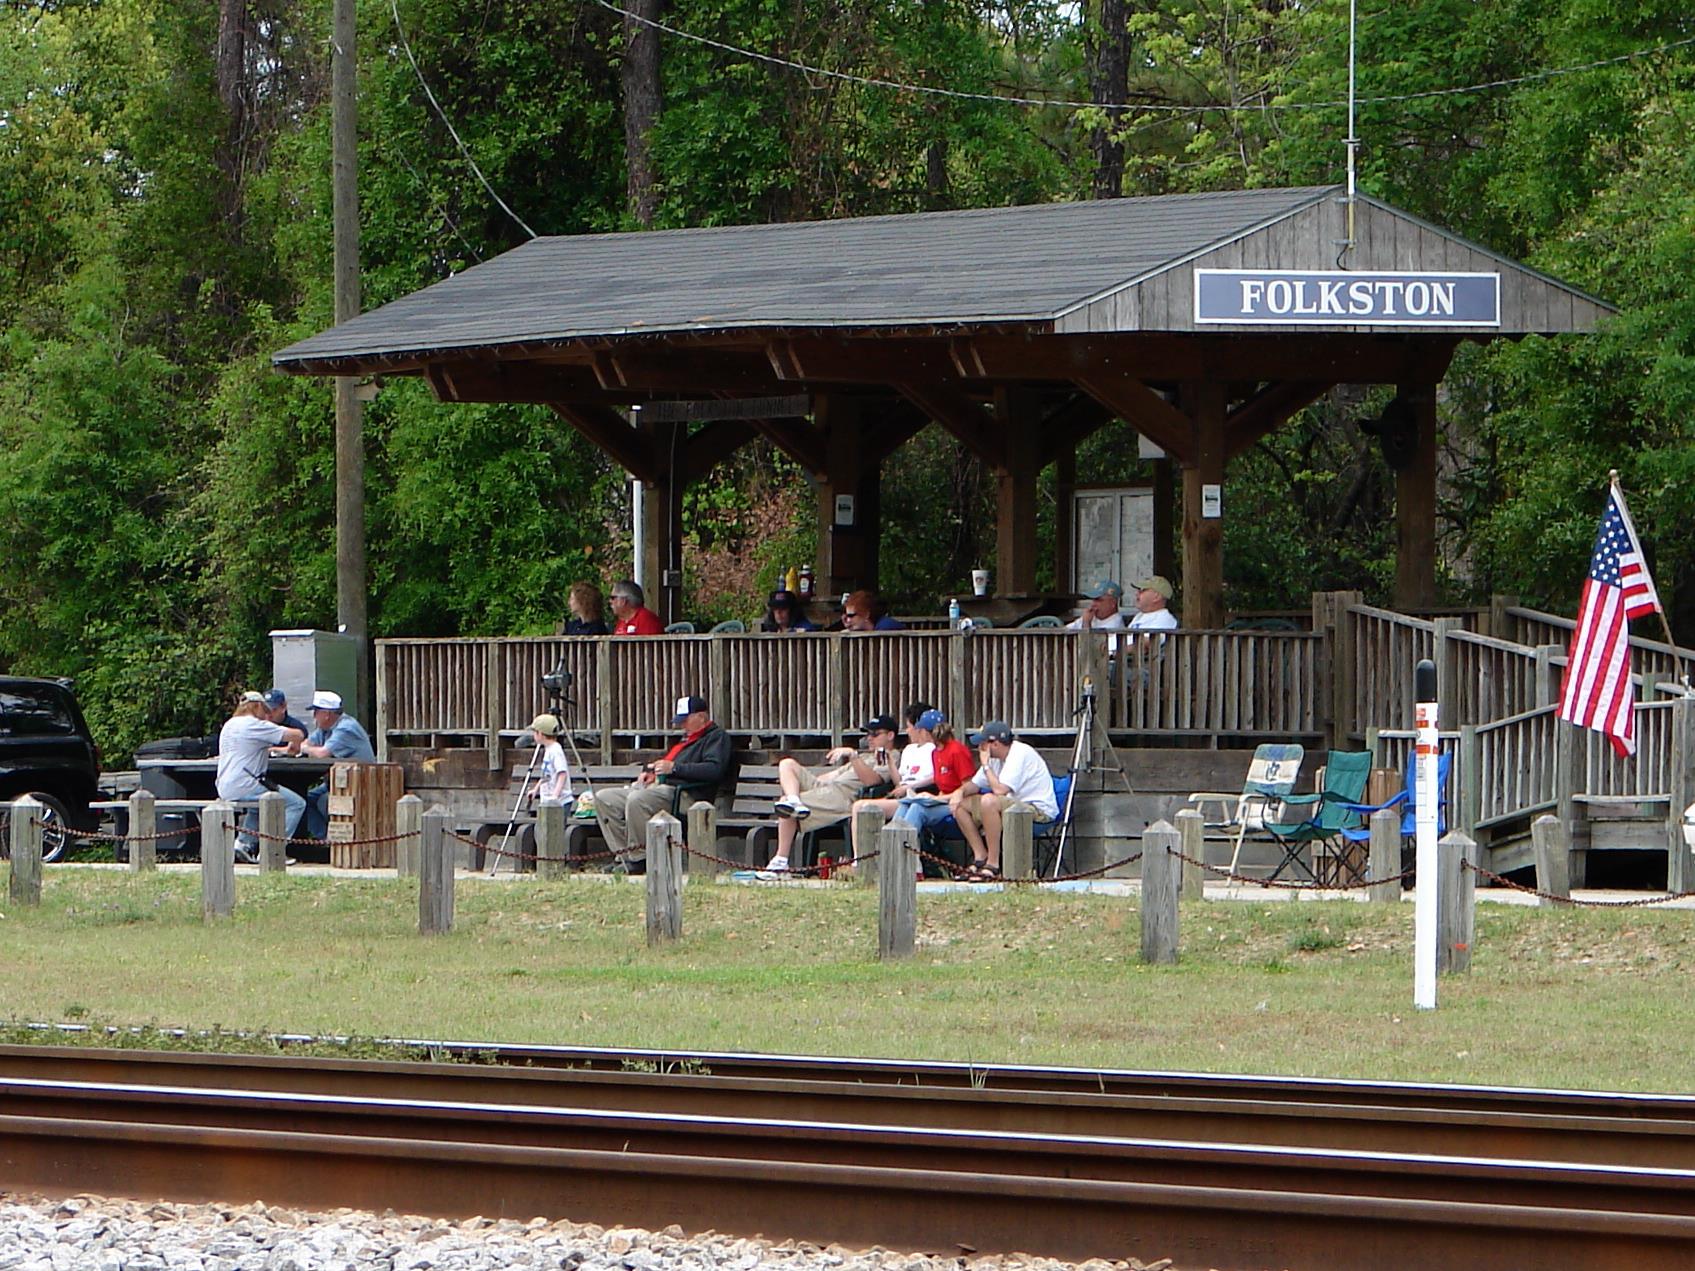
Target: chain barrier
pixel 1508 883
pixel 93 835
pixel 1278 885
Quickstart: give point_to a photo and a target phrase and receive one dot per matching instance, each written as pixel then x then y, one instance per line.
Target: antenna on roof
pixel 1352 143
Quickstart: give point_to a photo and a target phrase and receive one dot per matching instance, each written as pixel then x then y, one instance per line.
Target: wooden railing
pixel 1653 659
pixel 1220 683
pixel 1515 767
pixel 1379 649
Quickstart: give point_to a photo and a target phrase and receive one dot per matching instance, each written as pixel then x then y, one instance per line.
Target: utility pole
pixel 349 412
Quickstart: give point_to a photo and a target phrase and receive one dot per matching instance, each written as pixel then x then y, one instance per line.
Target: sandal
pixel 980 872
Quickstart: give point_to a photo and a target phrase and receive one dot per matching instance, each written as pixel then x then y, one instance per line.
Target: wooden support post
pixel 1466 781
pixel 217 861
pixel 435 875
pixel 25 887
pixel 1571 776
pixel 1456 903
pixel 1159 893
pixel 1018 825
pixel 1018 413
pixel 703 837
pixel 1330 617
pixel 385 700
pixel 1384 861
pixel 494 704
pixel 409 825
pixel 143 825
pixel 662 516
pixel 867 827
pixel 1680 869
pixel 1065 527
pixel 835 686
pixel 604 703
pixel 844 528
pixel 1447 662
pixel 550 840
pixel 664 879
pixel 1552 844
pixel 1203 535
pixel 1415 506
pixel 1165 516
pixel 897 883
pixel 1191 837
pixel 1502 625
pixel 273 828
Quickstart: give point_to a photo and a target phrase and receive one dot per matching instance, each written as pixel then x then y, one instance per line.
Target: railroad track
pixel 1220 1172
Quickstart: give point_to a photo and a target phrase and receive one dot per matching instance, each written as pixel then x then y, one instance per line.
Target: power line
pixel 874 81
pixel 394 8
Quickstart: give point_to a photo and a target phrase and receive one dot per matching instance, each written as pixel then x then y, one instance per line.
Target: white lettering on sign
pixel 1294 297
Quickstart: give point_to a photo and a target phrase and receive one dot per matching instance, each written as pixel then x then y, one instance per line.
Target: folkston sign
pixel 1309 297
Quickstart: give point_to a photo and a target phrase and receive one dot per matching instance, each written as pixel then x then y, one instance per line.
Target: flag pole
pixel 1665 626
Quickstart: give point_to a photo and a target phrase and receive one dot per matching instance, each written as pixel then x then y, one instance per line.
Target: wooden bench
pixel 522 817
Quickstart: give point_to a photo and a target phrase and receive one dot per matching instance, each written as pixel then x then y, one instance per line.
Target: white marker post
pixel 1426 743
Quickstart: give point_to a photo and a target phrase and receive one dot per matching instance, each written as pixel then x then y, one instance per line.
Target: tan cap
pixel 1157 583
pixel 546 725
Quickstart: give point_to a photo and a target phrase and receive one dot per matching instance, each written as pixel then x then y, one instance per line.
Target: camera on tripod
pixel 557 684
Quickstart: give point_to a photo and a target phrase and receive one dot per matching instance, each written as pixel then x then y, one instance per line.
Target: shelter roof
pixel 1044 268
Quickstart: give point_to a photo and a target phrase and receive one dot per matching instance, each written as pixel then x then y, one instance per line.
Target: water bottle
pixel 953 613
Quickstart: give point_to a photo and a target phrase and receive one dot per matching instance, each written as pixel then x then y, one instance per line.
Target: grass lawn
pixel 1581 998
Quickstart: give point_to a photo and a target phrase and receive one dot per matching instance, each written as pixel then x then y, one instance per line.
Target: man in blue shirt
pixel 337 736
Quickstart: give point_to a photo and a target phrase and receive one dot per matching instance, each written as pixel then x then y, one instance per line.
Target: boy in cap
pixel 697 765
pixel 555 782
pixel 1010 772
pixel 826 796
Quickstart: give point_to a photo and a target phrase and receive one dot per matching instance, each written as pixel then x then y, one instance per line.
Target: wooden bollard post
pixel 143 825
pixel 664 879
pixel 1159 893
pixel 435 875
pixel 550 840
pixel 273 827
pixel 1191 838
pixel 217 861
pixel 703 837
pixel 1552 844
pixel 867 827
pixel 897 886
pixel 1018 827
pixel 26 851
pixel 1384 860
pixel 409 825
pixel 1456 902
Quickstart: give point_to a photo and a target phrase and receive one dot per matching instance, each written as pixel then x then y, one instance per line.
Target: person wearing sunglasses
pixel 865 611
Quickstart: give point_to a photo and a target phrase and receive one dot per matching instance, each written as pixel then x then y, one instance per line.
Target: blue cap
pixel 994 730
pixel 930 720
pixel 275 697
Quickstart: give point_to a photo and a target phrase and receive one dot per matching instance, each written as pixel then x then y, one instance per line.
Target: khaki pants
pixel 828 801
pixel 624 813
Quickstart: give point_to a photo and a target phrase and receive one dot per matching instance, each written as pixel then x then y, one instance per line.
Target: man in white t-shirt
pixel 1153 606
pixel 244 758
pixel 1009 771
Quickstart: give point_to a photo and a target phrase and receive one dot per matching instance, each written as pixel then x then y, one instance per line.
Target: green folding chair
pixel 1342 783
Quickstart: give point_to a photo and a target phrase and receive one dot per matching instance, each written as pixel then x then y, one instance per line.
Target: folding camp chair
pixel 1342 784
pixel 1407 801
pixel 1271 776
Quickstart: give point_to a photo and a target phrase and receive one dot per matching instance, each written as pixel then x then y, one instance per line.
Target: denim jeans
pixel 294 808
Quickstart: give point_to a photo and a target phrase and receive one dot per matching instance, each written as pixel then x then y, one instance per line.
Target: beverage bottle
pixel 953 613
pixel 805 592
pixel 826 866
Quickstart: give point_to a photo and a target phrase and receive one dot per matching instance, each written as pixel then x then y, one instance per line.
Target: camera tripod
pixel 557 685
pixel 1082 760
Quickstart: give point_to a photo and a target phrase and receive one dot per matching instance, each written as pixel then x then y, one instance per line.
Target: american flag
pixel 1596 692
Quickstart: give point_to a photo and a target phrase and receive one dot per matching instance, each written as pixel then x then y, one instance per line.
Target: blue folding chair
pixel 1407 800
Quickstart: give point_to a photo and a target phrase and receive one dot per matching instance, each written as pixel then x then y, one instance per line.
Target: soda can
pixel 826 865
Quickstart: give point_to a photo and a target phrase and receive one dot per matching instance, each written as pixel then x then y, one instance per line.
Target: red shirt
pixel 955 765
pixel 642 622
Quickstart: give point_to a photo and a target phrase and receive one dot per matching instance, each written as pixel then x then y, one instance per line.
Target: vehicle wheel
pixel 55 842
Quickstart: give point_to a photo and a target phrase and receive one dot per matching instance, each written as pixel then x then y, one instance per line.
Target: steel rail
pixel 948 1212
pixel 1424 1120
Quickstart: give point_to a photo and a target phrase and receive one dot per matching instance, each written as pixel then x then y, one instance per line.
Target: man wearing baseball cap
pixel 826 796
pixel 276 710
pixel 337 736
pixel 1010 772
pixel 696 766
pixel 1153 606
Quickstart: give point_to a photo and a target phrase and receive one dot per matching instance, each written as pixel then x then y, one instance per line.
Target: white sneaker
pixel 793 808
pixel 778 865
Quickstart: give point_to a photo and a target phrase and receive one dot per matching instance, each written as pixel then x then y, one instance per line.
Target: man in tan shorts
pixel 817 798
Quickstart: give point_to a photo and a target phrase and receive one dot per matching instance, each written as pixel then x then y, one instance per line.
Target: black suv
pixel 46 752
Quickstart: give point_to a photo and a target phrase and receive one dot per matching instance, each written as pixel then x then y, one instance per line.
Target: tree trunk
pixel 641 107
pixel 230 60
pixel 1109 86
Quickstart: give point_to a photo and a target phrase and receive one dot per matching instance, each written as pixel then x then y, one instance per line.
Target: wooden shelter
pixel 1203 320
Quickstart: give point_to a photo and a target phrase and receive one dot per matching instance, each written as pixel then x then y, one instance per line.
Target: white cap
pixel 324 700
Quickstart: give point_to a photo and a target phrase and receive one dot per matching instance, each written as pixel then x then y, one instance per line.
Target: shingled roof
pixel 1048 264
